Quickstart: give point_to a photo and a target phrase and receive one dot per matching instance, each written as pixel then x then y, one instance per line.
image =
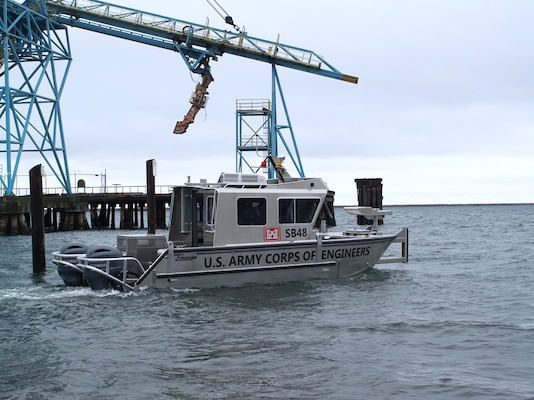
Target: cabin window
pixel 209 211
pixel 199 207
pixel 300 211
pixel 186 214
pixel 286 211
pixel 306 209
pixel 251 211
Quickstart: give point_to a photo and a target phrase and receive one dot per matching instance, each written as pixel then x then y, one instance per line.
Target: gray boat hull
pixel 329 258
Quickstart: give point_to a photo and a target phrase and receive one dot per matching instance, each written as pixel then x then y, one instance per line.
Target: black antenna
pixel 224 14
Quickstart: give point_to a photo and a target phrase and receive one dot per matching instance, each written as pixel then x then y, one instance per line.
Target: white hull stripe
pixel 168 275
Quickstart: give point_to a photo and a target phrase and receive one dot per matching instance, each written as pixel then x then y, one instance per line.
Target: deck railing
pixel 114 189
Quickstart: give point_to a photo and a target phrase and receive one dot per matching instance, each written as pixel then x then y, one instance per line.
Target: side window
pixel 306 210
pixel 251 211
pixel 209 210
pixel 286 211
pixel 199 199
pixel 300 211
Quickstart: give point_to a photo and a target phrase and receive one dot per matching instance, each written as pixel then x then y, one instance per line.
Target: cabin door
pixel 191 223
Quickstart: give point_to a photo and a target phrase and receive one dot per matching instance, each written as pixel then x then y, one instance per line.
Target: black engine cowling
pixel 70 251
pixel 99 281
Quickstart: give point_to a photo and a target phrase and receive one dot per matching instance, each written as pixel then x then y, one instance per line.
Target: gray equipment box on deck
pixel 142 247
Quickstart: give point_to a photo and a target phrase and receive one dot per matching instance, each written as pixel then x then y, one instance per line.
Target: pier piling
pixel 37 220
pixel 151 195
pixel 369 195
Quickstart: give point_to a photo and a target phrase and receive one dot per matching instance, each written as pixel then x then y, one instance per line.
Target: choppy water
pixel 456 322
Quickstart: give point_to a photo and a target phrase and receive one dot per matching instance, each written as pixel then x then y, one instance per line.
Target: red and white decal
pixel 271 234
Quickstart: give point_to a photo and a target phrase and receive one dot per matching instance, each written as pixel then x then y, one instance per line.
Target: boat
pixel 242 229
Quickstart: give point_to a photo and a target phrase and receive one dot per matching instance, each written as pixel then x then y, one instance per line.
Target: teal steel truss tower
pixel 34 59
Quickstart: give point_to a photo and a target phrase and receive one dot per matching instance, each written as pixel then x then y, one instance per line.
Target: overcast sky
pixel 443 111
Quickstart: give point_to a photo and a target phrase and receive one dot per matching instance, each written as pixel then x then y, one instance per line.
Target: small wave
pixel 191 290
pixel 62 292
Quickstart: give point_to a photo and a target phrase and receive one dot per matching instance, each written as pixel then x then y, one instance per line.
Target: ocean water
pixel 456 322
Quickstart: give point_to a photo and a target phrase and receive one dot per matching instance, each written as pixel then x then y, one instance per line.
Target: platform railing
pixel 114 189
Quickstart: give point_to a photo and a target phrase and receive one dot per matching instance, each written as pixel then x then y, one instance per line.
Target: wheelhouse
pixel 250 208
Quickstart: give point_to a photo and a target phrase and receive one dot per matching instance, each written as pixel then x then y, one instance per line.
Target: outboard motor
pixel 69 253
pixel 98 281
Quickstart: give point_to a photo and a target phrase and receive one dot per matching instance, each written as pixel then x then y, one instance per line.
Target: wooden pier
pixel 82 212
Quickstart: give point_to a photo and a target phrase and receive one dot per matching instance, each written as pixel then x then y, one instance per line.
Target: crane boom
pixel 186 37
pixel 197 44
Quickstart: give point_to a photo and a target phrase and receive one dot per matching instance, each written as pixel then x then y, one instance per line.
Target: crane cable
pixel 227 18
pixel 200 95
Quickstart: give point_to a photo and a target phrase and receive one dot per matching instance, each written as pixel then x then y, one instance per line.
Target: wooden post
pixel 37 220
pixel 369 195
pixel 142 215
pixel 151 195
pixel 111 210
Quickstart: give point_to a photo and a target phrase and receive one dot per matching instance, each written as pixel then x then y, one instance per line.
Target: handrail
pixel 115 189
pixel 84 263
pixel 402 238
pixel 107 275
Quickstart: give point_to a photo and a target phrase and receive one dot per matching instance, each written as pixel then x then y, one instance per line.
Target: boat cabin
pixel 245 208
